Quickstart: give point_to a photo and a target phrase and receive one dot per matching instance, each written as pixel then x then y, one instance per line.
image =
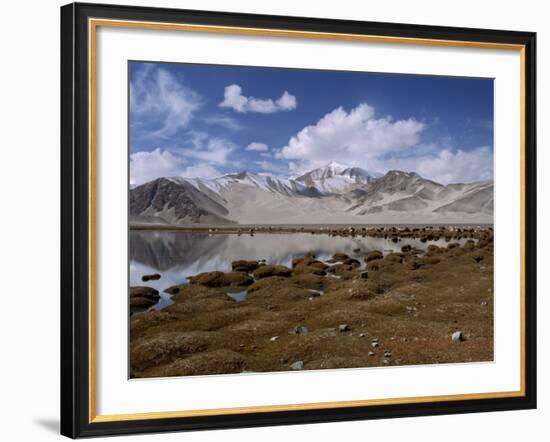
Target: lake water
pixel 177 255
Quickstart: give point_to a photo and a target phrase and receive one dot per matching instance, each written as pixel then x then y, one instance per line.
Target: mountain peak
pixel 335 165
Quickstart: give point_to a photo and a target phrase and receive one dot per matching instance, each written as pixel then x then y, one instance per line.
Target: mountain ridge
pixel 331 194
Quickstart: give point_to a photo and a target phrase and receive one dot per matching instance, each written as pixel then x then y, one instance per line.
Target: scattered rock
pixel 406 248
pixel 374 344
pixel 387 354
pixel 457 336
pixel 274 338
pixel 371 353
pixel 364 275
pixel 343 328
pixel 153 277
pixel 362 335
pixel 299 330
pixel 298 365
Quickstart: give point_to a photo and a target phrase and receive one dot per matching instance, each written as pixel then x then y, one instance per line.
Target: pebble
pixel 371 353
pixel 387 354
pixel 374 344
pixel 298 365
pixel 362 335
pixel 385 361
pixel 300 329
pixel 457 336
pixel 343 327
pixel 274 338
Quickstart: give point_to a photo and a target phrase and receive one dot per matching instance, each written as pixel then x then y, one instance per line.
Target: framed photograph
pixel 280 220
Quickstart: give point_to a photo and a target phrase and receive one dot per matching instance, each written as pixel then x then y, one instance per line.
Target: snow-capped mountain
pixel 331 194
pixel 336 178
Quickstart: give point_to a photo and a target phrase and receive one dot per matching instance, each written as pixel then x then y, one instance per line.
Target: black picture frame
pixel 75 219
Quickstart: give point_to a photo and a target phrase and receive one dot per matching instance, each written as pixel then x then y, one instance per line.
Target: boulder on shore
pixel 153 277
pixel 339 256
pixel 242 265
pixel 375 254
pixel 272 270
pixel 221 279
pixel 144 292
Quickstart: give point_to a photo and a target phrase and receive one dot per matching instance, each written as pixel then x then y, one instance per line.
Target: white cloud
pixel 257 147
pixel 450 167
pixel 359 138
pixel 158 98
pixel 225 121
pixel 233 99
pixel 270 167
pixel 201 170
pixel 147 166
pixel 211 150
pixel 355 138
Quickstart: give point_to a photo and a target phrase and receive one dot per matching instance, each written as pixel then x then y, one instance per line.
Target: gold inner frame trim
pixel 93 24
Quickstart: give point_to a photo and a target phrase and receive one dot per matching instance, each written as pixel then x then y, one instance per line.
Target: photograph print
pixel 285 220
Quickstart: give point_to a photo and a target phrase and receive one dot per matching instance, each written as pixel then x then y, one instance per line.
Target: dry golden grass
pixel 409 306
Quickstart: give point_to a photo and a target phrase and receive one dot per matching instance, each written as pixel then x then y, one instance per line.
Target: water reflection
pixel 177 255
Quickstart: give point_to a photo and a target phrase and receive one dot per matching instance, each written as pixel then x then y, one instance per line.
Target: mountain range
pixel 331 194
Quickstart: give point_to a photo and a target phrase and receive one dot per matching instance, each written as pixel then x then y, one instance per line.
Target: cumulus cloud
pixel 234 99
pixel 257 147
pixel 450 166
pixel 160 103
pixel 354 138
pixel 201 170
pixel 360 138
pixel 147 166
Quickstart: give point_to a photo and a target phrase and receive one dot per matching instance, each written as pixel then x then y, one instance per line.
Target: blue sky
pixel 204 120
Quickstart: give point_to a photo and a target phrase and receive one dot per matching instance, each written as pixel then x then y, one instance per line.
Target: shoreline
pixel 358 229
